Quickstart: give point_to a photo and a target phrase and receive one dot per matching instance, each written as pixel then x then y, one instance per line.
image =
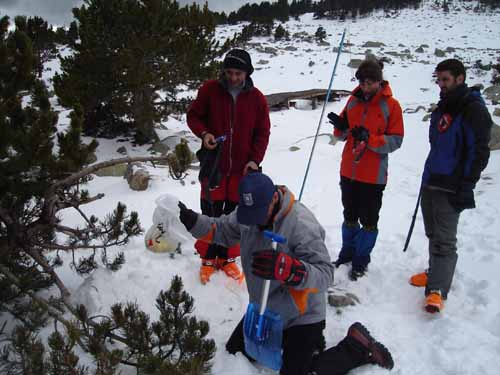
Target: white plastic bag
pixel 167 232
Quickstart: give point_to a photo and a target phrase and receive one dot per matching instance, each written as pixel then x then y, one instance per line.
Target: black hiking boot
pixel 341 261
pixel 375 351
pixel 355 274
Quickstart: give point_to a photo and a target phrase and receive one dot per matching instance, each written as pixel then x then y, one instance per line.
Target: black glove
pixel 187 216
pixel 463 198
pixel 338 122
pixel 276 265
pixel 360 134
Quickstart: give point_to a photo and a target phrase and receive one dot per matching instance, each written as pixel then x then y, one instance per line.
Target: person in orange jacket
pixel 371 124
pixel 230 107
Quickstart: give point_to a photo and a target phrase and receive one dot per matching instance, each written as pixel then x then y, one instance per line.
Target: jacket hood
pixel 455 101
pixel 287 199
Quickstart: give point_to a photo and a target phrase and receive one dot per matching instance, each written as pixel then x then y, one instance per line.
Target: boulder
pixel 137 177
pixel 339 300
pixel 271 51
pixel 496 112
pixel 439 52
pixel 372 44
pixel 495 138
pixel 492 93
pixel 122 150
pixel 160 148
pixel 117 170
pixel 354 63
pixel 168 143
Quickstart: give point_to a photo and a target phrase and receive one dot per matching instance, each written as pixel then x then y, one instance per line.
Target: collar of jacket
pixel 287 200
pixel 455 101
pixel 385 90
pixel 246 87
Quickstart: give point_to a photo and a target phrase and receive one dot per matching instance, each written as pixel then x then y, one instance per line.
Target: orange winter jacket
pixel 383 118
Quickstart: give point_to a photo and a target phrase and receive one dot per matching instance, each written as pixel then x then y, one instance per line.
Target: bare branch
pixel 71 231
pixel 48 269
pixel 89 170
pixel 56 246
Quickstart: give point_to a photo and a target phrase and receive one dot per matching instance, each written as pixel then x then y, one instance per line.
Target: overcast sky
pixel 58 12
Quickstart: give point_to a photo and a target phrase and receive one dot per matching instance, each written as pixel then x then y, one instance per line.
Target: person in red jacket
pixel 233 109
pixel 371 124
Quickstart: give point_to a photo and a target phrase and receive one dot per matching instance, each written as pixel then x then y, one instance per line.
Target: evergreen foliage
pixel 42 173
pixel 320 34
pixel 129 52
pixel 176 344
pixel 179 160
pixel 332 9
pixel 280 33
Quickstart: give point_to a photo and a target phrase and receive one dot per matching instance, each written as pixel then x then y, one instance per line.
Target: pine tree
pixel 42 174
pixel 280 32
pixel 320 34
pixel 129 52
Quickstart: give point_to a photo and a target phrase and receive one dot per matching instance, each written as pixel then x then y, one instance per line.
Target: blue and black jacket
pixel 459 135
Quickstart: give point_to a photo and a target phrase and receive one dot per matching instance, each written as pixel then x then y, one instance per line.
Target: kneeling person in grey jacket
pixel 300 272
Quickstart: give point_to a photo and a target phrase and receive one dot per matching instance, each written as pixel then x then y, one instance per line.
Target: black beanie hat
pixel 371 69
pixel 238 59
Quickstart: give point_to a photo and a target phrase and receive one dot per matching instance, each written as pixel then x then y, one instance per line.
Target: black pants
pixel 215 210
pixel 303 351
pixel 361 202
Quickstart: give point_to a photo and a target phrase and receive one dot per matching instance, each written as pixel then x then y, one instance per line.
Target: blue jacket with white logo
pixel 459 134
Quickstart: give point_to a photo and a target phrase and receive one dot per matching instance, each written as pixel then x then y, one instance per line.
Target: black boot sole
pixel 379 354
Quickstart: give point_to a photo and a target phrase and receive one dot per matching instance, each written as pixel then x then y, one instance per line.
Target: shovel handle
pixel 276 238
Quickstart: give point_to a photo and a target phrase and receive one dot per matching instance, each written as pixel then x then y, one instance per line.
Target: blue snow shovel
pixel 263 329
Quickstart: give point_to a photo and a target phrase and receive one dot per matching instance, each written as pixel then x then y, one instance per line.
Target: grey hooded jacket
pixel 302 304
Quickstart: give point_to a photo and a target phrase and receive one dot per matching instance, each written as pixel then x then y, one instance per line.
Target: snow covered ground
pixel 465 338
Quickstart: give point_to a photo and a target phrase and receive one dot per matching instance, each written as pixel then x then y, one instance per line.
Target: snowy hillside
pixel 465 338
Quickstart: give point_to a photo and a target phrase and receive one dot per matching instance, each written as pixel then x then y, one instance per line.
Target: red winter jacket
pixel 383 118
pixel 245 123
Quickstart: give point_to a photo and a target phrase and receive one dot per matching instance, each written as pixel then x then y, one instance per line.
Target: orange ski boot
pixel 231 269
pixel 207 269
pixel 419 279
pixel 434 302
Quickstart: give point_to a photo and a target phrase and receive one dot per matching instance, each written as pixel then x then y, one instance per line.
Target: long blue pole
pixel 322 113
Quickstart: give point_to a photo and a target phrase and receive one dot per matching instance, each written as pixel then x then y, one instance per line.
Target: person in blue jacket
pixel 459 135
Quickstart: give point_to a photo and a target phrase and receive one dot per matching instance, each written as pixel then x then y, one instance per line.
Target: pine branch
pixel 50 270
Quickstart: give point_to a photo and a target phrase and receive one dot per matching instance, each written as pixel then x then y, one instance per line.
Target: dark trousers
pixel 361 202
pixel 440 222
pixel 303 351
pixel 215 210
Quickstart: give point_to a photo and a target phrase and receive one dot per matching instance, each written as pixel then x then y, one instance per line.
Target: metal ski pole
pixel 322 113
pixel 410 231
